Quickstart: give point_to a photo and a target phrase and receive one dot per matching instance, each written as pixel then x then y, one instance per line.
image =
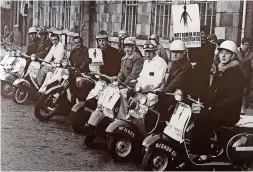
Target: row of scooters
pixel 139 136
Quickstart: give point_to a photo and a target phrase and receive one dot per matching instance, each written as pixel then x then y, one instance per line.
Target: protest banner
pixel 186 24
pixel 97 59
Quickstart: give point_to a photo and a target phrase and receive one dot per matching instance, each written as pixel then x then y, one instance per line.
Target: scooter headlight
pixel 143 100
pixel 33 57
pixel 178 95
pixel 65 74
pixel 138 87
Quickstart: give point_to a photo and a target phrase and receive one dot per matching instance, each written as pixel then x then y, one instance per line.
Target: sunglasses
pixel 148 46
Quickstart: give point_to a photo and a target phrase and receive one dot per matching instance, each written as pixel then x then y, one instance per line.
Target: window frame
pixel 130 6
pixel 162 15
pixel 206 15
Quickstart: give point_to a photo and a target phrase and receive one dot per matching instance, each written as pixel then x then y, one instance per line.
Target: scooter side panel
pixel 8 77
pixel 123 127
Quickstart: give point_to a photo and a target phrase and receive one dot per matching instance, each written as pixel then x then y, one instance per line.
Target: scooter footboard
pixel 8 77
pixel 78 106
pixel 121 127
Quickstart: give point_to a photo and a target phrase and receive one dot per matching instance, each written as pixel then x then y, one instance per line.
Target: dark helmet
pixel 43 30
pixel 102 35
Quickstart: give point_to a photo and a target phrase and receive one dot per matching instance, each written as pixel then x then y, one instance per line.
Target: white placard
pixel 96 56
pixel 186 24
pixel 178 122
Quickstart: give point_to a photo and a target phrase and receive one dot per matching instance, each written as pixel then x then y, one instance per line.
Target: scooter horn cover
pixel 240 149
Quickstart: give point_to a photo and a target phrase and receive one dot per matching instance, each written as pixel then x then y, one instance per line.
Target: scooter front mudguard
pixel 159 142
pixel 21 81
pixel 57 87
pixel 121 127
pixel 78 106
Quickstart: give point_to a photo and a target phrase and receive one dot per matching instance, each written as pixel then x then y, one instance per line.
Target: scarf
pixel 223 68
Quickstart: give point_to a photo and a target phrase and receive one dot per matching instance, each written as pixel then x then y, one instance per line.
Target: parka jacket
pixel 44 48
pixel 131 67
pixel 180 74
pixel 224 96
pixel 32 46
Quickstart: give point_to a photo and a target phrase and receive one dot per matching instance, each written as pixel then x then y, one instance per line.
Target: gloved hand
pixel 132 102
pixel 196 108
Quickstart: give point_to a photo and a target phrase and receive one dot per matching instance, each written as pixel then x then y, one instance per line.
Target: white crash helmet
pixel 32 30
pixel 229 45
pixel 177 45
pixel 129 41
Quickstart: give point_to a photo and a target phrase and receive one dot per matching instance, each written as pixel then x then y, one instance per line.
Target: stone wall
pixel 228 20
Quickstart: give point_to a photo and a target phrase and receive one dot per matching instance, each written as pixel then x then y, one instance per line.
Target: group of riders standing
pixel 162 72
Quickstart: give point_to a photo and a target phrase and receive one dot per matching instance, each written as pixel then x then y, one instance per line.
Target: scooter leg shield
pixel 96 117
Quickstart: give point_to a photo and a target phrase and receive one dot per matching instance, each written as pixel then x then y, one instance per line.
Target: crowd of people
pixel 229 90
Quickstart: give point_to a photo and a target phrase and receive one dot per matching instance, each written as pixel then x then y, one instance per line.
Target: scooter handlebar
pixel 195 101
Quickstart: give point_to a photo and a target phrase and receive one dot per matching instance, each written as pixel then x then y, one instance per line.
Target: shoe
pixel 200 160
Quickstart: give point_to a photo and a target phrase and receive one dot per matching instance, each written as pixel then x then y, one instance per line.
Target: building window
pixel 207 11
pixel 53 13
pixel 66 14
pixel 162 18
pixel 131 8
pixel 41 13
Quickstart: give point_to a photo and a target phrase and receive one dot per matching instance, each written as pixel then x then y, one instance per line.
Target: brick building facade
pixel 140 18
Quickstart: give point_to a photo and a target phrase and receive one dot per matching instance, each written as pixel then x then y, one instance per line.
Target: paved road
pixel 28 144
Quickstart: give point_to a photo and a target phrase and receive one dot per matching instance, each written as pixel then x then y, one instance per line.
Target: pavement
pixel 30 145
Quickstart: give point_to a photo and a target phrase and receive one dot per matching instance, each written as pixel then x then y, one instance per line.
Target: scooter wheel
pixel 155 161
pixel 79 120
pixel 88 140
pixel 121 149
pixel 6 90
pixel 20 95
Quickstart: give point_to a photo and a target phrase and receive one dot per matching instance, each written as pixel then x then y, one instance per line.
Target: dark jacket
pixel 225 94
pixel 112 61
pixel 245 65
pixel 179 76
pixel 131 67
pixel 79 58
pixel 32 46
pixel 44 48
pixel 203 57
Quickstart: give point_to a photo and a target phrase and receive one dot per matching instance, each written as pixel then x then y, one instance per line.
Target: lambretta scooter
pixel 107 109
pixel 82 110
pixel 12 68
pixel 170 150
pixel 28 86
pixel 126 135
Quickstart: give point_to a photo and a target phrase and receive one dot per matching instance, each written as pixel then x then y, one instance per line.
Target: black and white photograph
pixel 126 85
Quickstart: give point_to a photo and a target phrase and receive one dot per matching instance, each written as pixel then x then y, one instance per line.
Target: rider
pixel 44 44
pixel 222 102
pixel 160 49
pixel 131 63
pixel 111 56
pixel 33 41
pixel 79 56
pixel 55 56
pixel 122 35
pixel 180 75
